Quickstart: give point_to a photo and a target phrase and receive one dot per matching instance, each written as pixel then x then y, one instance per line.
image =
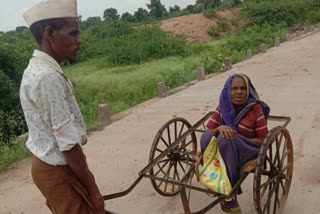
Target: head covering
pixel 228 113
pixel 51 9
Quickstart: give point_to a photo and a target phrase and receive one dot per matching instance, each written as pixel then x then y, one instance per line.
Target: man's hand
pixel 226 132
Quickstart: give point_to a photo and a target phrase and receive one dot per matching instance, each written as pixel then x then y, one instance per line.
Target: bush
pixel 313 16
pixel 274 12
pixel 210 13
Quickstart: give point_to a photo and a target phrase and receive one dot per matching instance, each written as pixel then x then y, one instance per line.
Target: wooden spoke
pixel 165 142
pixel 267 205
pixel 161 168
pixel 159 150
pixel 181 130
pixel 184 171
pixel 169 137
pixel 271 164
pixel 282 186
pixel 175 131
pixel 276 198
pixel 269 181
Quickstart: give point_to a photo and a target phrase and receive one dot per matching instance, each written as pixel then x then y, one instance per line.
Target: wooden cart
pixel 172 160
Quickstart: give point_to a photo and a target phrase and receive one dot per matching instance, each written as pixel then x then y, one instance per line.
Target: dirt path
pixel 287 78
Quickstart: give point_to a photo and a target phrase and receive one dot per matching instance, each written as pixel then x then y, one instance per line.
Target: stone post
pixel 287 36
pixel 297 33
pixel 228 63
pixel 263 48
pixel 277 42
pixel 201 74
pixel 305 30
pixel 104 113
pixel 162 89
pixel 249 53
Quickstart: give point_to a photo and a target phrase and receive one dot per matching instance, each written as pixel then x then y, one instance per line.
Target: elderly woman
pixel 240 124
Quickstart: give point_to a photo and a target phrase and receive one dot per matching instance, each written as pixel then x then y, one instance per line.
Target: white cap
pixel 51 9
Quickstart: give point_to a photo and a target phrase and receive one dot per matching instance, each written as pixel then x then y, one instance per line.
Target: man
pixel 56 128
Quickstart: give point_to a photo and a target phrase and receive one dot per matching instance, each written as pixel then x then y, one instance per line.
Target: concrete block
pixel 162 89
pixel 201 74
pixel 277 42
pixel 104 113
pixel 288 38
pixel 263 48
pixel 228 63
pixel 249 53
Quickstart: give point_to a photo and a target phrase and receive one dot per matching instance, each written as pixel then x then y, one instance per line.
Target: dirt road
pixel 286 77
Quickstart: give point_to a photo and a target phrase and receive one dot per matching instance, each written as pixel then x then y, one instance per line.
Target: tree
pixel 209 3
pixel 141 14
pixel 111 14
pixel 157 9
pixel 198 8
pixel 190 8
pixel 127 17
pixel 20 29
pixel 174 9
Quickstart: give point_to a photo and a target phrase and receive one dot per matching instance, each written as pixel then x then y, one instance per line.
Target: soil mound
pixel 195 26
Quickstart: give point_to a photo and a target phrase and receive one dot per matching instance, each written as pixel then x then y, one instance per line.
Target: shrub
pixel 313 16
pixel 210 13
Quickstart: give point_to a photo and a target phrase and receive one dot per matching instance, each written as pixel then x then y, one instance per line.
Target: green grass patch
pixel 11 154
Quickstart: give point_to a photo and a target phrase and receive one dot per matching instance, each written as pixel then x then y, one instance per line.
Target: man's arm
pixel 76 160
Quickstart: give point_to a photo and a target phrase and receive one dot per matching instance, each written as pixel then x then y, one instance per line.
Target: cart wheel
pixel 178 162
pixel 272 178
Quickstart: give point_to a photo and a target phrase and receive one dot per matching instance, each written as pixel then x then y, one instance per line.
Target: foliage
pixel 174 10
pixel 274 12
pixel 141 14
pixel 313 16
pixel 122 44
pixel 127 17
pixel 209 3
pixel 10 154
pixel 210 13
pixel 111 14
pixel 157 9
pixel 222 27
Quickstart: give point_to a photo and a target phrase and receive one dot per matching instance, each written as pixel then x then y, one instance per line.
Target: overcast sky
pixel 11 10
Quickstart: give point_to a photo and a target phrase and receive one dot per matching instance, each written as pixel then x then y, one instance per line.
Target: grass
pixel 121 87
pixel 8 155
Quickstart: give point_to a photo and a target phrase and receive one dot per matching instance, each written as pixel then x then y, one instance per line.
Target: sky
pixel 11 10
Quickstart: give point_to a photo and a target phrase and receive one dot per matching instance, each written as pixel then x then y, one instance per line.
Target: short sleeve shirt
pixel 51 111
pixel 253 125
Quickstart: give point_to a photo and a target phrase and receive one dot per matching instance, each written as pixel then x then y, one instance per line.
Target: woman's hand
pixel 226 132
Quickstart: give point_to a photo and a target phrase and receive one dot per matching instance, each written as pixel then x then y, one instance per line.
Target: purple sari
pixel 238 151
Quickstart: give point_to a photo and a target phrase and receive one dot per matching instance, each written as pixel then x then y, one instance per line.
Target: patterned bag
pixel 214 173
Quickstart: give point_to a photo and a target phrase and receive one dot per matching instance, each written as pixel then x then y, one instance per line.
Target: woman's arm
pixel 225 131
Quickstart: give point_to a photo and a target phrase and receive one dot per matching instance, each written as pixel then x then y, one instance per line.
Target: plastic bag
pixel 214 172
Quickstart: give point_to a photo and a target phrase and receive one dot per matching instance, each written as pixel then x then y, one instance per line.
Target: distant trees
pixel 157 9
pixel 111 14
pixel 141 14
pixel 20 29
pixel 174 9
pixel 127 17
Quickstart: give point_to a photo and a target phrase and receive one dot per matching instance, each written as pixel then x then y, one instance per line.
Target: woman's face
pixel 238 91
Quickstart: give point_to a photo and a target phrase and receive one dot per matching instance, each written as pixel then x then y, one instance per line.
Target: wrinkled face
pixel 238 91
pixel 66 42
